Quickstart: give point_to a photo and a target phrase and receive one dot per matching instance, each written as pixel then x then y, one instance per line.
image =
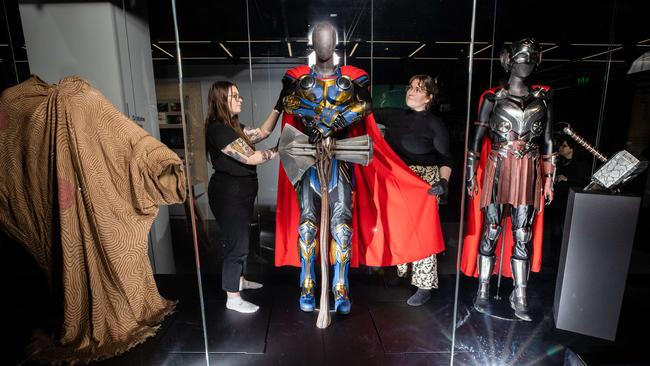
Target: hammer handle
pixel 584 144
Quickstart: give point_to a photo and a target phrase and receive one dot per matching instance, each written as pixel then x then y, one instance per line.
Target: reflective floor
pixel 381 329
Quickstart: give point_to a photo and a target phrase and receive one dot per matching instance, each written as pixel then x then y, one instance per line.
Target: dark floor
pixel 381 329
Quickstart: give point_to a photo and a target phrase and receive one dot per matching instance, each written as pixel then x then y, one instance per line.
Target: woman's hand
pixel 439 188
pixel 548 191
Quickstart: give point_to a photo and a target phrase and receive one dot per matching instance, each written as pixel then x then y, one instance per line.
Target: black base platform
pixel 381 329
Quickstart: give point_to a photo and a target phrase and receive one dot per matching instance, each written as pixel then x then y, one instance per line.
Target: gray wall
pixel 112 50
pixel 258 102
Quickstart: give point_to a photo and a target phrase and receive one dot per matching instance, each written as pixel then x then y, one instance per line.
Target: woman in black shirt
pixel 233 185
pixel 421 140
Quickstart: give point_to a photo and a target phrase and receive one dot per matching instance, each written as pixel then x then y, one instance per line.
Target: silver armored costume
pixel 519 169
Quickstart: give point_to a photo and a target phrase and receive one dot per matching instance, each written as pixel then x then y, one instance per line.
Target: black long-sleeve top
pixel 418 138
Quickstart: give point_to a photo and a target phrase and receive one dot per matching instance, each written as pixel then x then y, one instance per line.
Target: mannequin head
pixel 522 57
pixel 522 70
pixel 323 38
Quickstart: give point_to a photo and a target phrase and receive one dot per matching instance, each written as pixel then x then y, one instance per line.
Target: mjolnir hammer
pixel 616 171
pixel 297 156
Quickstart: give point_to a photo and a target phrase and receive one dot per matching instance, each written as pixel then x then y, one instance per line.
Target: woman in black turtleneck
pixel 421 140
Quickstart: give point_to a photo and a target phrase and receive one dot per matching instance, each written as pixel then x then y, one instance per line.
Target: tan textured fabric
pixel 80 189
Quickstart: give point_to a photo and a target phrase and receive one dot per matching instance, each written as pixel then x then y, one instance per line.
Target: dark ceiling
pixel 415 35
pixel 407 34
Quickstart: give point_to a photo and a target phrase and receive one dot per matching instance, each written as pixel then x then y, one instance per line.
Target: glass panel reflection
pixel 278 42
pixel 496 321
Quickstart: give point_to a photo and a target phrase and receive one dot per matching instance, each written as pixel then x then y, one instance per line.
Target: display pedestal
pixel 596 247
pixel 500 309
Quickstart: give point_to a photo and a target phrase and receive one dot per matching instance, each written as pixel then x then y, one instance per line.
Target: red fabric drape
pixel 395 220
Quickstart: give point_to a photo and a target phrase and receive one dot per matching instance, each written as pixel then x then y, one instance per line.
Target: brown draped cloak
pixel 80 189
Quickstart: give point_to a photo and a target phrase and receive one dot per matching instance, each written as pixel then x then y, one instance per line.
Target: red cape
pixel 394 219
pixel 474 224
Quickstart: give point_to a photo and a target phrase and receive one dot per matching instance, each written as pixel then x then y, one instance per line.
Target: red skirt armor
pixel 518 173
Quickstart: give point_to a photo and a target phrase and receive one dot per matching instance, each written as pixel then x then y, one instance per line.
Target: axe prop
pixel 297 156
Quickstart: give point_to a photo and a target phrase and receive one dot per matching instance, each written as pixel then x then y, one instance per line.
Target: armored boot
pixel 520 270
pixel 485 267
pixel 307 245
pixel 342 252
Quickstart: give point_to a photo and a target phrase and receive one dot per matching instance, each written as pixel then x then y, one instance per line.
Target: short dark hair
pixel 569 141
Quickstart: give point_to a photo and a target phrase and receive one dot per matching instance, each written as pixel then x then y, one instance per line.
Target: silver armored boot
pixel 518 302
pixel 485 267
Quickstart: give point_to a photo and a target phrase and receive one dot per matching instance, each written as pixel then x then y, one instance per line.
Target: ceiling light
pixel 384 41
pixel 483 49
pixel 613 61
pixel 548 49
pixel 162 42
pixel 459 42
pixel 435 58
pixel 595 44
pixel 165 52
pixel 601 53
pixel 225 49
pixel 419 48
pixel 205 58
pixel 354 49
pixel 256 41
pixel 379 58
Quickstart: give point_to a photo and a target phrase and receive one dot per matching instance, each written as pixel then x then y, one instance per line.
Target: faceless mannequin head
pixel 522 57
pixel 323 39
pixel 522 70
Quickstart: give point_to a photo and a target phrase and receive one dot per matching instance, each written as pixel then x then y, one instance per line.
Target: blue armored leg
pixel 341 229
pixel 341 252
pixel 307 241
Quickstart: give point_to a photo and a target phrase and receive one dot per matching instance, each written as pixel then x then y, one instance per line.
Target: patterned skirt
pixel 424 272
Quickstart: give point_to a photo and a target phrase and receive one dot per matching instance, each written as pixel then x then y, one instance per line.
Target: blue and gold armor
pixel 326 107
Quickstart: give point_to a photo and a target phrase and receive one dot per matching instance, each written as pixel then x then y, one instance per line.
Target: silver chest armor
pixel 518 118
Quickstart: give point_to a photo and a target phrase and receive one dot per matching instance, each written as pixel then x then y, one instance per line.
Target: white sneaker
pixel 240 305
pixel 248 285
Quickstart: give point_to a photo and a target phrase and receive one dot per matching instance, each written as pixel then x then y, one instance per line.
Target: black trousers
pixel 232 202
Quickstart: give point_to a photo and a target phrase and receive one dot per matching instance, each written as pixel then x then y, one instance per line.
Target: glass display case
pixel 443 268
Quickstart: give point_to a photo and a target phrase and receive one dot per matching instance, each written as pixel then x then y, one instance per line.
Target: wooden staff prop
pixel 324 171
pixel 297 156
